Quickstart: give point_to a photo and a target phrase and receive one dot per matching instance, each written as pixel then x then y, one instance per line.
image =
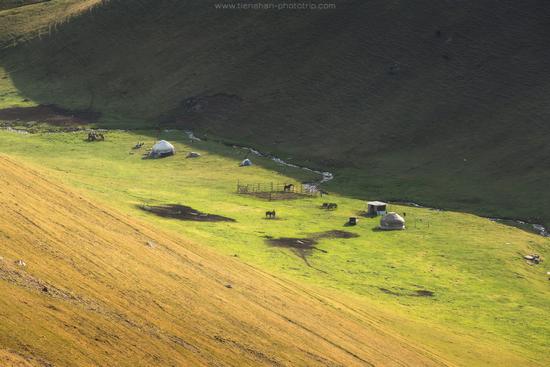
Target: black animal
pixel 329 206
pixel 95 136
pixel 288 188
pixel 270 214
pixel 138 145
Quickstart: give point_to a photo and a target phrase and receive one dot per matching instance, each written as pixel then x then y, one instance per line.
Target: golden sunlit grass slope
pixel 101 289
pixel 11 359
pixel 19 23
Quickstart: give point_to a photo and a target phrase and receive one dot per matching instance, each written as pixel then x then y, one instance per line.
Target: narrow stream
pixel 530 227
pixel 328 176
pixel 325 176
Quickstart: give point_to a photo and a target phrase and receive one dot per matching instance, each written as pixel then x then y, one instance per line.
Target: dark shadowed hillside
pixel 440 102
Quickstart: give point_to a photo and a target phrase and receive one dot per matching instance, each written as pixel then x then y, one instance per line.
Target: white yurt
pixel 392 221
pixel 247 162
pixel 162 149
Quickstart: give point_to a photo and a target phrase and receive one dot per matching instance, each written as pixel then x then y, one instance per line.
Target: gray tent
pixel 392 221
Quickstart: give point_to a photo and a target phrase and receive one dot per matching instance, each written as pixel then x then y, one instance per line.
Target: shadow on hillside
pixel 424 108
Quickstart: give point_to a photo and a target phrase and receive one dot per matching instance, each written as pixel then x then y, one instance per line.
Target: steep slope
pixel 26 19
pixel 441 102
pixel 11 4
pixel 99 288
pixel 11 359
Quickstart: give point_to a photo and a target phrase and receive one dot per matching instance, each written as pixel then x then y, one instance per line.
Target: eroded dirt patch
pixel 402 292
pixel 303 247
pixel 336 233
pixel 183 212
pixel 424 293
pixel 290 242
pixel 50 114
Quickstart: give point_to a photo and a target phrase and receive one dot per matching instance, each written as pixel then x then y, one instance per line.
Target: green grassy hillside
pixel 486 298
pixel 100 288
pixel 439 102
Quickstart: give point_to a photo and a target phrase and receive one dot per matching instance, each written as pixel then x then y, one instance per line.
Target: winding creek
pixel 325 176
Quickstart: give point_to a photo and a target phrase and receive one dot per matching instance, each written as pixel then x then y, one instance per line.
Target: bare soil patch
pixel 183 212
pixel 424 293
pixel 303 247
pixel 415 293
pixel 336 233
pixel 290 242
pixel 50 114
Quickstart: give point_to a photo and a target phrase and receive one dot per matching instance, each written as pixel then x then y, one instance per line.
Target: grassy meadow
pixel 446 129
pixel 101 288
pixel 482 288
pixel 399 98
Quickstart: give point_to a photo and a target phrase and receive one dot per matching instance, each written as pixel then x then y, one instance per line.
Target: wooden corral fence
pixel 274 187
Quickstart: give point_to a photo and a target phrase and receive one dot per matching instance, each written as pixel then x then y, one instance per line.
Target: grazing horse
pixel 332 206
pixel 94 136
pixel 288 188
pixel 270 214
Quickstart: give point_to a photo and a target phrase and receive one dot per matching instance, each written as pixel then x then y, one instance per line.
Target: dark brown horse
pixel 288 188
pixel 95 136
pixel 329 206
pixel 270 214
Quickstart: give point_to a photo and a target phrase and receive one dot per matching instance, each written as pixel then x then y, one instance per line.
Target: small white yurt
pixel 162 149
pixel 392 221
pixel 247 162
